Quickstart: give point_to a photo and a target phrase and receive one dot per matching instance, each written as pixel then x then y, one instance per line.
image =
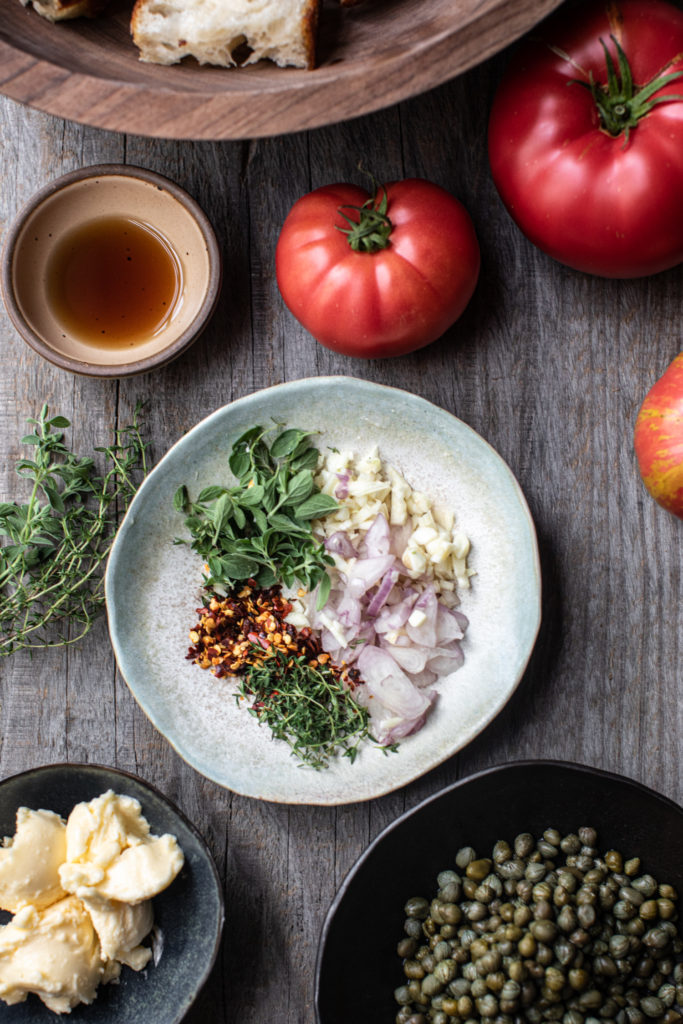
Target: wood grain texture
pixel 368 58
pixel 549 365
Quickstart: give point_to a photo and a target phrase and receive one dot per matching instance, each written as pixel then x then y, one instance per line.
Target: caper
pixel 477 870
pixel 543 930
pixel 487 1005
pixel 445 971
pixel 511 869
pixel 450 892
pixel 406 947
pixel 535 872
pixel 586 915
pixel 525 890
pixel 524 844
pixel 591 999
pixel 646 885
pixel 667 994
pixel 417 907
pixel 451 913
pixel 465 1006
pixel 619 945
pixel 541 891
pixel 623 910
pixel 501 852
pixel 578 979
pixel 666 907
pixel 614 860
pixel 652 1006
pixel 431 985
pixel 469 887
pixel 464 856
pixel 401 995
pixel 495 981
pixel 656 938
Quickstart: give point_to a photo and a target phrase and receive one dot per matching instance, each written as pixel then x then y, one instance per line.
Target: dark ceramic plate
pixel 358 969
pixel 189 913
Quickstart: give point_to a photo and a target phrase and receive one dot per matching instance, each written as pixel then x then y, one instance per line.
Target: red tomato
pixel 606 203
pixel 385 302
pixel 658 439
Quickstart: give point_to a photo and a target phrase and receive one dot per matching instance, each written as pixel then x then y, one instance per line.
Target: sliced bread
pixel 226 32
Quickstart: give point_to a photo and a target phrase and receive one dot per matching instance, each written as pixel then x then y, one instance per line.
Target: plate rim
pixel 326 381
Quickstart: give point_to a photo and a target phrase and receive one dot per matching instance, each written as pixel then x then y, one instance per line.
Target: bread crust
pixel 310 31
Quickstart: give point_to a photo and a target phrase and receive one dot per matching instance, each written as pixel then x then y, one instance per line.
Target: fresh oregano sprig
pixel 260 528
pixel 309 708
pixel 51 565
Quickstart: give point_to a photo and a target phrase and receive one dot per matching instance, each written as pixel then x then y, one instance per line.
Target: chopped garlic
pixel 435 550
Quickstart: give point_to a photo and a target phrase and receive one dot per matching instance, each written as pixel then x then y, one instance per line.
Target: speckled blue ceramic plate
pixel 153 589
pixel 189 914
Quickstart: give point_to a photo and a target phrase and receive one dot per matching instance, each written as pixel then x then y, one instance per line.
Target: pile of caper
pixel 543 930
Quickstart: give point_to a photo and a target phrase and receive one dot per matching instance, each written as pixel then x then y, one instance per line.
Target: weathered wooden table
pixel 547 364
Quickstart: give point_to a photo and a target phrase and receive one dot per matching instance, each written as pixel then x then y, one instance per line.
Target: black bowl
pixel 189 913
pixel 358 969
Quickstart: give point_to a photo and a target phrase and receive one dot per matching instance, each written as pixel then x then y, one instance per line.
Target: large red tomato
pixel 586 138
pixel 378 275
pixel 658 439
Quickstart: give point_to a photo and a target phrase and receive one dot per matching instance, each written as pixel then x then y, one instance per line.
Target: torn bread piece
pixel 226 32
pixel 60 10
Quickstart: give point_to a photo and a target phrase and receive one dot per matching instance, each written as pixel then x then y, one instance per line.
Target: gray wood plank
pixel 547 364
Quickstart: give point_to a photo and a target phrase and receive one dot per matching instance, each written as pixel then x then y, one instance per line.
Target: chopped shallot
pixel 401 639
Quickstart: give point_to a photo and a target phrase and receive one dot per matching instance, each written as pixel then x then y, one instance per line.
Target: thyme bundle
pixel 51 565
pixel 308 706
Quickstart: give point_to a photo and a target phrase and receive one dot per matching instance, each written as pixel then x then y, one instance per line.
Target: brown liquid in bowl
pixel 113 282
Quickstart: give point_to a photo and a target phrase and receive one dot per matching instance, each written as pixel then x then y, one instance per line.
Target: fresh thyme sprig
pixel 307 707
pixel 261 528
pixel 51 567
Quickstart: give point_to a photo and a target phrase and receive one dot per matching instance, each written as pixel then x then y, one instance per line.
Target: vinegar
pixel 113 282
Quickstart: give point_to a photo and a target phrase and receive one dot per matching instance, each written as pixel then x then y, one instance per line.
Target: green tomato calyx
pixel 371 229
pixel 620 103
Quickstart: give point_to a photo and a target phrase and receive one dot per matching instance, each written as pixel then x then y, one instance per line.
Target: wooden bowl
pixel 370 56
pixel 79 199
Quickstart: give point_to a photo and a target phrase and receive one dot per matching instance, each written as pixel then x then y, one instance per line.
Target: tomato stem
pixel 371 231
pixel 621 104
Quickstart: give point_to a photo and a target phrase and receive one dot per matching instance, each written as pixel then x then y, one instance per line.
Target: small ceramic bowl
pixel 82 197
pixel 357 961
pixel 189 914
